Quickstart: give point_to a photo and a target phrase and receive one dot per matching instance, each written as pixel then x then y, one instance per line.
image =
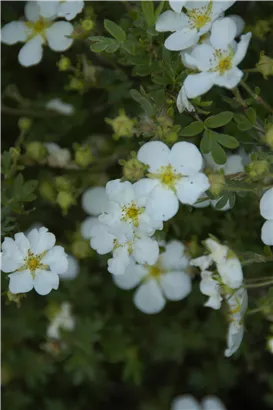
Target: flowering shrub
pixel 137 205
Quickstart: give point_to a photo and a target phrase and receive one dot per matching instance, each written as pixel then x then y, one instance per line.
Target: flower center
pixel 155 271
pixel 200 17
pixel 224 64
pixel 33 262
pixel 168 176
pixel 37 27
pixel 132 213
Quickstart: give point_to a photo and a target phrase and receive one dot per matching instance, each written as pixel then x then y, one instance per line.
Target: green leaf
pixel 251 115
pixel 217 152
pixel 205 145
pixel 193 129
pixel 219 120
pixel 159 9
pixel 243 123
pixel 116 31
pixel 143 101
pixel 222 202
pixel 104 44
pixel 227 141
pixel 148 12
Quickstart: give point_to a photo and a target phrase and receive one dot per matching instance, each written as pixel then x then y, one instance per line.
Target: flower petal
pixel 73 268
pixel 190 188
pixel 22 243
pixel 198 84
pixel 32 11
pixel 203 262
pixel 266 204
pixel 170 21
pixel 234 164
pixel 218 251
pixel 56 258
pixel 239 22
pixel 120 192
pixel 120 261
pixel 41 240
pixel 202 56
pixel 95 201
pixel 14 32
pixel 177 5
pixel 162 203
pixel 57 105
pixel 20 282
pixel 57 35
pixel 101 240
pixel 185 402
pixel 229 79
pixel 174 257
pixel 175 285
pixel 69 9
pixel 234 338
pixel 231 272
pixel 45 281
pixel 48 9
pixel 87 225
pixel 148 298
pixel 212 403
pixel 223 32
pixel 143 189
pixel 11 257
pixel 31 53
pixel 145 250
pixel 131 277
pixel 267 233
pixel 155 154
pixel 182 101
pixel 241 48
pixel 186 158
pixel 182 39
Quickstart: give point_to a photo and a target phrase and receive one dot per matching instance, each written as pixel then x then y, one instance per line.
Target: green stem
pixel 28 113
pixel 256 97
pixel 251 70
pixel 252 311
pixel 259 285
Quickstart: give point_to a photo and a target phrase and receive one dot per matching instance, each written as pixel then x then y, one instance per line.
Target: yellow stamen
pixel 132 213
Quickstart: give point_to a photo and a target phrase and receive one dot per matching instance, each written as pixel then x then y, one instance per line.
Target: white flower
pixel 174 174
pixel 35 32
pixel 237 307
pixel 59 106
pixel 94 203
pixel 216 66
pixel 72 270
pixel 34 261
pixel 58 157
pixel 211 287
pixel 190 26
pixel 63 320
pixel 67 9
pixel 266 209
pixel 126 213
pixel 188 402
pixel 166 279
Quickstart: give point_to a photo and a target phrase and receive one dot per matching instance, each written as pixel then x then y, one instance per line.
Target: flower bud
pixel 76 84
pixel 36 151
pixel 133 170
pixel 265 65
pixel 269 137
pixel 64 63
pixel 87 24
pixel 217 182
pixel 81 249
pixel 269 344
pixel 47 191
pixel 257 168
pixel 83 155
pixel 65 200
pixel 14 153
pixel 122 125
pixel 24 123
pixel 16 298
pixel 63 184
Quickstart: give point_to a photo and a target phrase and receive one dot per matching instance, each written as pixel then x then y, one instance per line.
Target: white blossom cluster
pixel 124 218
pixel 40 28
pixel 206 42
pixel 222 280
pixel 61 320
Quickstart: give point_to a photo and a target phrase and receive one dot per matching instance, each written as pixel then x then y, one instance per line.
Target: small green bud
pixel 15 153
pixel 24 123
pixel 83 155
pixel 36 151
pixel 16 298
pixel 64 64
pixel 269 344
pixel 76 84
pixel 47 191
pixel 63 184
pixel 65 200
pixel 87 24
pixel 81 249
pixel 265 65
pixel 133 170
pixel 217 182
pixel 257 168
pixel 122 125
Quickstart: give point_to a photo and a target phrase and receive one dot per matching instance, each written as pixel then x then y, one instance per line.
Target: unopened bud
pixel 217 182
pixel 65 200
pixel 83 155
pixel 81 249
pixel 265 65
pixel 63 183
pixel 269 137
pixel 87 24
pixel 122 125
pixel 257 168
pixel 133 170
pixel 64 63
pixel 47 191
pixel 24 123
pixel 36 151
